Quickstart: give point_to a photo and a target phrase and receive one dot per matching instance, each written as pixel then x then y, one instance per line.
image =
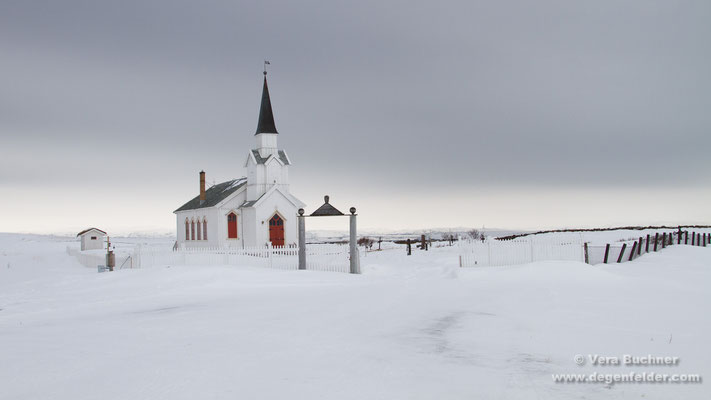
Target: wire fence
pixel 526 249
pixel 629 250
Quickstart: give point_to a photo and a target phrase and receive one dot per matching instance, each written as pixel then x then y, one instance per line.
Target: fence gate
pixel 327 210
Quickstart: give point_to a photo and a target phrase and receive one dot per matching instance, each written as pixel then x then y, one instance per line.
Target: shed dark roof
pixel 262 160
pixel 266 117
pixel 90 229
pixel 214 195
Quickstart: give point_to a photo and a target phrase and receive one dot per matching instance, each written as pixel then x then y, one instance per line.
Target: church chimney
pixel 202 187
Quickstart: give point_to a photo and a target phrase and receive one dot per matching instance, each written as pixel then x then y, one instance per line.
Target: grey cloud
pixel 550 93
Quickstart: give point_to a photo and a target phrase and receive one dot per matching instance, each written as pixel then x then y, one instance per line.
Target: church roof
pixel 214 195
pixel 262 160
pixel 266 117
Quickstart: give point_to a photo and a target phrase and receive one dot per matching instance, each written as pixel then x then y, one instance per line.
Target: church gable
pixel 258 159
pixel 272 192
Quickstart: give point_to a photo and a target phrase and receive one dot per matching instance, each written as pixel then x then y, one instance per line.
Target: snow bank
pixel 413 327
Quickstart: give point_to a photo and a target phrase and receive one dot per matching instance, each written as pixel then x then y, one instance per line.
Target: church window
pixel 187 230
pixel 192 230
pixel 199 231
pixel 204 229
pixel 232 226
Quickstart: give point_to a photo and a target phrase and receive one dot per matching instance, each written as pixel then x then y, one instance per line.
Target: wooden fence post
pixel 656 239
pixel 646 247
pixel 585 249
pixel 698 239
pixel 686 237
pixel 664 240
pixel 607 251
pixel 634 247
pixel 678 236
pixel 622 253
pixel 693 238
pixel 639 247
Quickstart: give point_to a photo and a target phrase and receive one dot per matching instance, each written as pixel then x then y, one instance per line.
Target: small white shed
pixel 92 239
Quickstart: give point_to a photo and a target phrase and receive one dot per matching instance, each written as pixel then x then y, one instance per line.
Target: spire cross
pixel 265 66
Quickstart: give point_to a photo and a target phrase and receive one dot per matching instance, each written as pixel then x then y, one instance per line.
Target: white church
pixel 250 211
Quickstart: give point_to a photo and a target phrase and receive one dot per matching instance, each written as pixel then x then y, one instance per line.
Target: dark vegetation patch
pixel 631 228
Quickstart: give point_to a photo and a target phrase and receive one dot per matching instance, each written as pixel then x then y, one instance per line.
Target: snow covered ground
pixel 413 327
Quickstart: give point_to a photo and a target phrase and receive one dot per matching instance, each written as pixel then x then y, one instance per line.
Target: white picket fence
pixel 474 253
pixel 319 257
pixel 328 257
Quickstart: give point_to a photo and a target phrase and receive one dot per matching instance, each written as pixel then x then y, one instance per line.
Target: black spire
pixel 266 117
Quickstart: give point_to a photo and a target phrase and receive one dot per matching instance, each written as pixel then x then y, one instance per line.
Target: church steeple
pixel 267 165
pixel 266 117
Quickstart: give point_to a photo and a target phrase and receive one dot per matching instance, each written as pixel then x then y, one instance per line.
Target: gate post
pixel 302 239
pixel 355 267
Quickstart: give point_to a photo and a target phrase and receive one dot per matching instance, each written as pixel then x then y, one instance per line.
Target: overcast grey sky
pixel 517 114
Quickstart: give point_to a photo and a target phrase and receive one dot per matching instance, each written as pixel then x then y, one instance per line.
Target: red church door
pixel 232 226
pixel 276 231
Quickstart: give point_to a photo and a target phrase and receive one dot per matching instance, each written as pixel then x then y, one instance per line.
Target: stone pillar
pixel 302 239
pixel 355 264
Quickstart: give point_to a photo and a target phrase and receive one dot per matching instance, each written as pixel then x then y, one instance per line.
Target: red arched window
pixel 192 230
pixel 187 230
pixel 232 226
pixel 199 231
pixel 204 229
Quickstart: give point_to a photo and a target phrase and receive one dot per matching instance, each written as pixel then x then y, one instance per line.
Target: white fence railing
pixel 319 257
pixel 93 260
pixel 473 253
pixel 87 259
